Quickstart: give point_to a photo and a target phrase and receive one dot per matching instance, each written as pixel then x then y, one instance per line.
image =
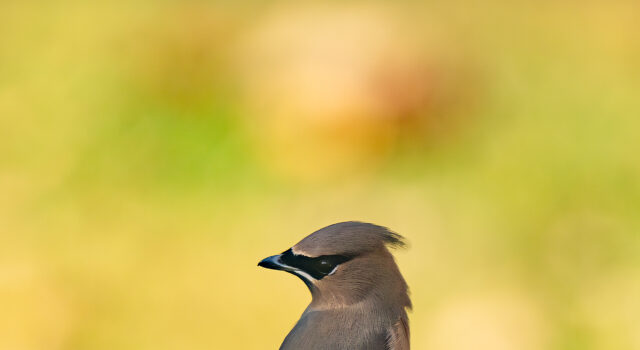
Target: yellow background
pixel 152 152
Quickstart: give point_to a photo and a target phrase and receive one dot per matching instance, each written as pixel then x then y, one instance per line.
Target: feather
pixel 398 335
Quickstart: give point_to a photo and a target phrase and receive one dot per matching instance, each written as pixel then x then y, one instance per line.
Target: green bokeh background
pixel 142 177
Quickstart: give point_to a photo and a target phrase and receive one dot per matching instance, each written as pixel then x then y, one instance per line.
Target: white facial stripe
pixel 296 271
pixel 304 275
pixel 334 270
pixel 296 251
pixel 284 267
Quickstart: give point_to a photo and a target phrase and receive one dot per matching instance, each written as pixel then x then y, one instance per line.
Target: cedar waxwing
pixel 359 298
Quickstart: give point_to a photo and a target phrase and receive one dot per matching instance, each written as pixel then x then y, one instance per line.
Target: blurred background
pixel 152 152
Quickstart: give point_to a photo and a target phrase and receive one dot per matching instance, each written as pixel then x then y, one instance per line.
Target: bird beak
pixel 273 262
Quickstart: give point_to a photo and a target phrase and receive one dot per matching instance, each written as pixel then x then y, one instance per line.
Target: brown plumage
pixel 359 298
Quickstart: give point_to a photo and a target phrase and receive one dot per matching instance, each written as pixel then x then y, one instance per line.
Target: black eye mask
pixel 318 267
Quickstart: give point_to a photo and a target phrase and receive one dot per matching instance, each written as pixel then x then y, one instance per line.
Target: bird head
pixel 345 263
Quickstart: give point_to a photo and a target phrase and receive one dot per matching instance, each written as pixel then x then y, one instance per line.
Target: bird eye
pixel 324 266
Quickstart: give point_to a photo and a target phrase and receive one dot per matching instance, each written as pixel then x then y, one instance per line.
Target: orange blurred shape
pixel 331 89
pixel 173 58
pixel 35 315
pixel 496 321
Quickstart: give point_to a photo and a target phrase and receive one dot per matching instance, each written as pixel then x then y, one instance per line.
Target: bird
pixel 359 298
